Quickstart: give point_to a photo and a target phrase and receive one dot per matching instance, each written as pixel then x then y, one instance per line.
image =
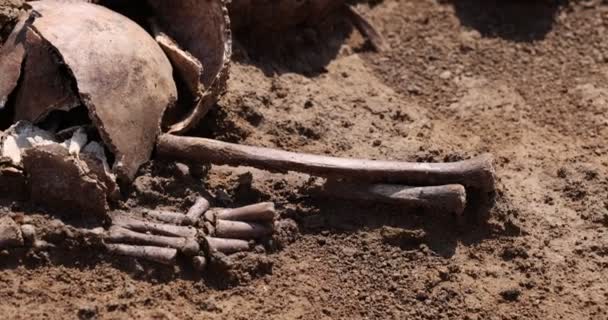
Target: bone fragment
pixel 476 172
pixel 241 230
pixel 201 205
pixel 153 228
pixel 169 217
pixel 29 233
pixel 366 29
pixel 199 263
pixel 260 212
pixel 77 142
pixel 10 233
pixel 226 246
pixel 188 246
pixel 451 198
pixel 156 254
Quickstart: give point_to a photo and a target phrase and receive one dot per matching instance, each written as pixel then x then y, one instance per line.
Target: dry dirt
pixel 525 80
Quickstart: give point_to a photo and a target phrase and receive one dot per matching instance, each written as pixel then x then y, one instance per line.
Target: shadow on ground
pixel 515 20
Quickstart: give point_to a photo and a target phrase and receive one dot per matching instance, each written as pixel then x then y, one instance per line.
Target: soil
pixel 526 81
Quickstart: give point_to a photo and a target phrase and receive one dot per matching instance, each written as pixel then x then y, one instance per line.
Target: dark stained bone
pixel 157 254
pixel 241 230
pixel 226 246
pixel 10 233
pixel 200 206
pixel 154 228
pixel 54 176
pixel 259 212
pixel 451 198
pixel 188 246
pixel 476 172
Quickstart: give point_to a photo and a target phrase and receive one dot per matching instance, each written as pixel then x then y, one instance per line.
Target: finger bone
pixel 226 246
pixel 241 229
pixel 263 211
pixel 188 246
pixel 156 254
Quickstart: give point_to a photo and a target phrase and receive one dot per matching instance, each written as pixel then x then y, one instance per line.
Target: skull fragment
pixel 89 90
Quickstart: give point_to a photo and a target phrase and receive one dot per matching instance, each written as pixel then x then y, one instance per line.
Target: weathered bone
pixel 226 246
pixel 156 254
pixel 451 198
pixel 200 206
pixel 476 172
pixel 10 233
pixel 188 246
pixel 263 211
pixel 169 217
pixel 154 228
pixel 241 230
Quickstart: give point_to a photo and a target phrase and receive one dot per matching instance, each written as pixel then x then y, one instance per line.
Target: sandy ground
pixel 525 81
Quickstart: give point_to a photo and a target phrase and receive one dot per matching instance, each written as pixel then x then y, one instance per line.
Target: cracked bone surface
pixel 477 172
pixel 157 254
pixel 450 198
pixel 53 173
pixel 188 246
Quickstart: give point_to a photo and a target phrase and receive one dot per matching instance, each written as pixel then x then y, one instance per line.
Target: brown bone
pixel 476 172
pixel 188 246
pixel 241 230
pixel 450 198
pixel 169 217
pixel 263 211
pixel 226 246
pixel 157 254
pixel 154 228
pixel 200 206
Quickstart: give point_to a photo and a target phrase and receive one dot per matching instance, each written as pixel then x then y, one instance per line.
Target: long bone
pixel 188 246
pixel 241 229
pixel 260 212
pixel 157 254
pixel 226 246
pixel 154 228
pixel 477 172
pixel 450 198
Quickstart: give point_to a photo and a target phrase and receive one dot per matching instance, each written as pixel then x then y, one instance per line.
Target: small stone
pixel 445 75
pixel 29 233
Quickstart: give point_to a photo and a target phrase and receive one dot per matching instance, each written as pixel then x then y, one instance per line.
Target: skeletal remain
pixel 476 172
pixel 29 233
pixel 77 142
pixel 188 246
pixel 199 263
pixel 169 217
pixel 201 205
pixel 10 233
pixel 154 228
pixel 450 198
pixel 226 246
pixel 241 229
pixel 161 255
pixel 259 212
